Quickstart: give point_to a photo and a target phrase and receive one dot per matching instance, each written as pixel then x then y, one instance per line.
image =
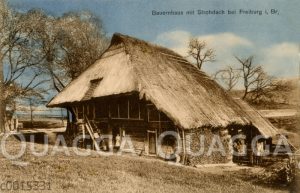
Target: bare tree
pixel 250 74
pixel 262 87
pixel 284 89
pixel 199 51
pixel 259 86
pixel 268 89
pixel 228 76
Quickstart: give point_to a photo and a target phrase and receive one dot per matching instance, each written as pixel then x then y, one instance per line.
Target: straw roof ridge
pixel 134 43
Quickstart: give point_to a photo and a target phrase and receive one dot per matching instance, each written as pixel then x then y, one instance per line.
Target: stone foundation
pixel 206 145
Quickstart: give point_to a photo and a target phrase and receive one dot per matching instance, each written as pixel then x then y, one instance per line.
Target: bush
pixel 282 172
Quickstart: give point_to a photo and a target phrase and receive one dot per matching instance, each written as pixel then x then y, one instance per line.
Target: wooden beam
pixel 183 144
pixel 156 143
pixel 94 111
pixel 159 123
pixel 139 110
pixel 76 112
pixel 87 110
pixel 91 132
pixel 149 104
pixel 118 110
pixel 83 114
pixel 109 114
pixel 129 119
pixel 128 108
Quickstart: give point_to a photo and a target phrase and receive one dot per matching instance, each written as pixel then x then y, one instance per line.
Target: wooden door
pixel 152 142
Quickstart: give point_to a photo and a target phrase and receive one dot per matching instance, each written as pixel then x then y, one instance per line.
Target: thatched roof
pixel 186 95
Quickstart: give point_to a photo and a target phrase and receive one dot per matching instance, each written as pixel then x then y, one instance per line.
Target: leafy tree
pixel 36 48
pixel 18 58
pixel 69 44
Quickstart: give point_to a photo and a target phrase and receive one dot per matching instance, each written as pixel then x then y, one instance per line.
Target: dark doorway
pixel 115 132
pixel 152 142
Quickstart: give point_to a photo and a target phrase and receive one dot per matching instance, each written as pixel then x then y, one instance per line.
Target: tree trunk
pixel 2 103
pixel 2 115
pixel 246 90
pixel 31 118
pixel 70 130
pixel 31 113
pixel 245 94
pixel 71 115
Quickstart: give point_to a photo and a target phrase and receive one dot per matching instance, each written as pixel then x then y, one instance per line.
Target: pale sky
pixel 273 39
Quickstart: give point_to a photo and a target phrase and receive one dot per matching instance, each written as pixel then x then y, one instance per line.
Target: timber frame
pixel 126 115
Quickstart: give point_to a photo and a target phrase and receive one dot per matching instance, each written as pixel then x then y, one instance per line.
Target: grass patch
pixel 125 173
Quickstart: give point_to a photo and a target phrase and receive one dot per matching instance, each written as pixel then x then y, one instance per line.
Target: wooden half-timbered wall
pixel 126 115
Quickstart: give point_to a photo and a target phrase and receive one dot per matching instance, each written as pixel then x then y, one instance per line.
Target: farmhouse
pixel 141 90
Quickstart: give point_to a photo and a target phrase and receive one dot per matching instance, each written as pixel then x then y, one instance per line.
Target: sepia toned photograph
pixel 141 96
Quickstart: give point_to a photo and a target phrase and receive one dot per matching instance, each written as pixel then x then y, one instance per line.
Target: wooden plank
pixel 128 107
pixel 109 113
pixel 118 110
pixel 83 114
pixel 183 144
pixel 92 136
pixel 91 132
pixel 94 111
pixel 139 111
